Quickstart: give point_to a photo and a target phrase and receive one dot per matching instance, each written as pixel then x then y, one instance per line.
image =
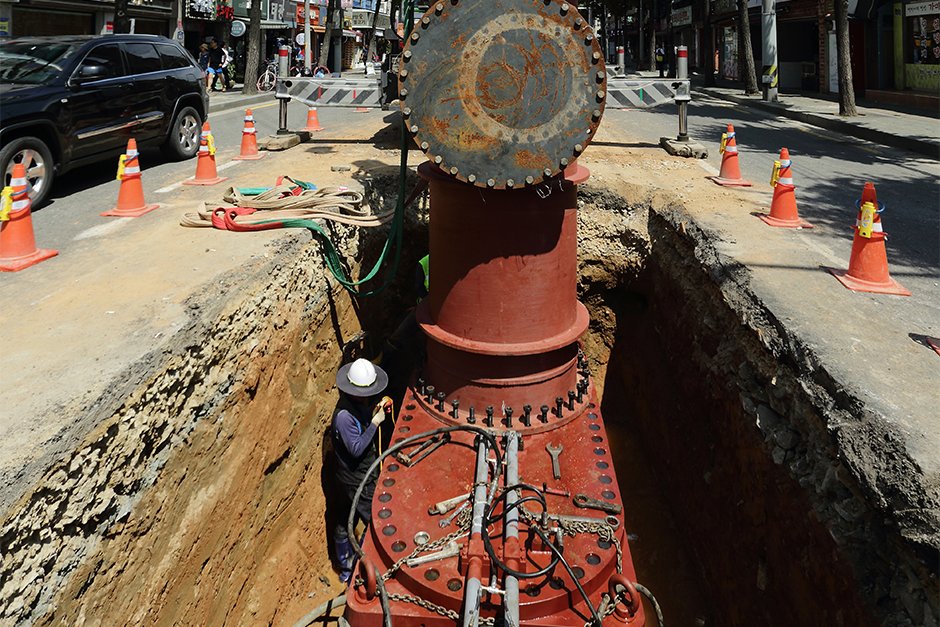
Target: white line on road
pixel 170 188
pixel 102 229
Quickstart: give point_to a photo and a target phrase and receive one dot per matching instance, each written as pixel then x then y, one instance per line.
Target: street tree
pixel 253 54
pixel 121 23
pixel 846 88
pixel 708 37
pixel 746 54
pixel 331 10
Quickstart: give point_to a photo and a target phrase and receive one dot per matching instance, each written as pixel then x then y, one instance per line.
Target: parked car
pixel 68 101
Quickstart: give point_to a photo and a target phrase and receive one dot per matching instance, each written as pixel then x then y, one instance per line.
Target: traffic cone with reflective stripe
pixel 17 242
pixel 205 163
pixel 730 174
pixel 868 265
pixel 783 207
pixel 249 150
pixel 130 202
pixel 313 124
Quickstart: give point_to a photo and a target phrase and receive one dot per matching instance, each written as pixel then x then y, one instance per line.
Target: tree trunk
pixel 328 35
pixel 652 48
pixel 708 35
pixel 121 23
pixel 745 50
pixel 253 53
pixel 846 88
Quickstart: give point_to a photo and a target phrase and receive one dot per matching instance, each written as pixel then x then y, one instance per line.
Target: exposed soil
pixel 201 496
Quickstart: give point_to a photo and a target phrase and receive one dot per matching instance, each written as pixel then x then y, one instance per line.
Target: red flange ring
pixel 631 601
pixel 366 592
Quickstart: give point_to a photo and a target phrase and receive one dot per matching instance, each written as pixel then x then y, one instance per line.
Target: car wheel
pixel 36 157
pixel 183 141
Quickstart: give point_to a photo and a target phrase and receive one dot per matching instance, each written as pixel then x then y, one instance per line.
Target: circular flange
pixel 502 95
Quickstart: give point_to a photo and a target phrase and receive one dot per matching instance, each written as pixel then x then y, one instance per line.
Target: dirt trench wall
pixel 799 508
pixel 200 501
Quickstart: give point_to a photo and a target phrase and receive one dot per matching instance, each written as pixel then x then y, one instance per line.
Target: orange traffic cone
pixel 934 344
pixel 868 265
pixel 17 242
pixel 205 163
pixel 730 175
pixel 130 202
pixel 783 207
pixel 249 143
pixel 313 124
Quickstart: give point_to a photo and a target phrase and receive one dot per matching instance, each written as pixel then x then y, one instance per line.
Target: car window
pixel 34 63
pixel 101 62
pixel 142 58
pixel 173 57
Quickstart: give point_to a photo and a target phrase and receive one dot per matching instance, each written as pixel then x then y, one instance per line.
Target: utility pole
pixel 768 25
pixel 308 61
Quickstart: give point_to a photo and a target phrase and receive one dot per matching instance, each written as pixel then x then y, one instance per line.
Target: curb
pixel 913 144
pixel 236 102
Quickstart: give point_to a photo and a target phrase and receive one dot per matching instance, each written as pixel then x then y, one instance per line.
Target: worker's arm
pixel 354 438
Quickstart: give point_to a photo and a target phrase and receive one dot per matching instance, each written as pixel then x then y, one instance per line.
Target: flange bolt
pixel 421 383
pixel 544 415
pixel 471 417
pixel 440 400
pixel 509 417
pixel 455 404
pixel 489 415
pixel 571 395
pixel 430 393
pixel 526 419
pixel 559 403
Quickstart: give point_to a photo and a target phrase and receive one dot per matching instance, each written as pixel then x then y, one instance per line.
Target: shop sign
pixel 4 27
pixel 361 19
pixel 200 9
pixel 682 16
pixel 922 8
pixel 238 28
pixel 314 13
pixel 277 9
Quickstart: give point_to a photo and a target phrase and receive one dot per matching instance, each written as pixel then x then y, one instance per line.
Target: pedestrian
pixel 355 425
pixel 226 62
pixel 661 60
pixel 215 64
pixel 204 61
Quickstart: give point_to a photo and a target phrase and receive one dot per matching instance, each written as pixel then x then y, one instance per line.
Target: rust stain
pixel 529 159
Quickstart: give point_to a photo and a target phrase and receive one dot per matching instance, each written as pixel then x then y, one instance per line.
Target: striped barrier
pixel 330 92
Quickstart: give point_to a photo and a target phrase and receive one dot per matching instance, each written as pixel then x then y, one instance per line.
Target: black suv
pixel 67 101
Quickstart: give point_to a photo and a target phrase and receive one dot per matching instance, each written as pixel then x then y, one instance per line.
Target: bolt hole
pixel 600 451
pixel 388 482
pixel 607 494
pixel 385 497
pixel 556 584
pixel 398 547
pixel 596 439
pixel 385 513
pixel 389 530
pixel 593 559
pixel 592 416
pixel 578 572
pixel 405 429
pixel 454 585
pixel 604 479
pixel 407 417
pixel 604 544
pixel 393 467
pixel 432 574
pixel 533 591
pixel 594 426
pixel 411 407
pixel 603 465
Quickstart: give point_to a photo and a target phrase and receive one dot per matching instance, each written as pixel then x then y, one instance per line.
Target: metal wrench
pixel 555 452
pixel 582 501
pixel 451 550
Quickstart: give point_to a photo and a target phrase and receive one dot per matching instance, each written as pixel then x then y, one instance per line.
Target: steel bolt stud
pixel 455 404
pixel 564 162
pixel 407 55
pixel 406 111
pixel 595 113
pixel 439 8
pixel 425 146
pixel 600 94
pixel 509 417
pixel 571 395
pixel 564 8
pixel 472 178
pixel 526 409
pixel 425 20
pixel 403 74
pixel 430 393
pixel 559 403
pixel 544 415
pixel 589 38
pixel 421 383
pixel 438 160
pixel 440 401
pixel 454 170
pixel 601 76
pixel 510 183
pixel 578 148
pixel 471 417
pixel 415 37
pixel 529 180
pixel 489 415
pixel 490 182
pixel 402 92
pixel 547 171
pixel 578 22
pixel 596 56
pixel 414 128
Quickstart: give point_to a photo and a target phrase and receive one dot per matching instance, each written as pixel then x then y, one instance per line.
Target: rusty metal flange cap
pixel 502 94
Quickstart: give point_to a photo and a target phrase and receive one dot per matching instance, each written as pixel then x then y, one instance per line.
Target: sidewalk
pixel 917 130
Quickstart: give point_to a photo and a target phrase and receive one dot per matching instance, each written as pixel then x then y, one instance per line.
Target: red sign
pixel 314 14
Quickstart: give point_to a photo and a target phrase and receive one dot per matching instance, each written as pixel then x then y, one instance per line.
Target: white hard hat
pixel 361 378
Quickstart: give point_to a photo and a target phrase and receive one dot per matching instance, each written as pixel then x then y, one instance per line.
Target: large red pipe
pixel 502 317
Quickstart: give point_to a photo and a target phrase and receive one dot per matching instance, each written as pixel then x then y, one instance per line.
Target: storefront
pixel 917 50
pixel 49 18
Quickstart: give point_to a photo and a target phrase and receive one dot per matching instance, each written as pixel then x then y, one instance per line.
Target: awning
pixel 273 25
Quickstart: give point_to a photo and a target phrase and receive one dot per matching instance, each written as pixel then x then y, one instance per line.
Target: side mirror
pixel 89 72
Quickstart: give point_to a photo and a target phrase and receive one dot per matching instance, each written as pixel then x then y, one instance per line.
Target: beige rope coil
pixel 279 203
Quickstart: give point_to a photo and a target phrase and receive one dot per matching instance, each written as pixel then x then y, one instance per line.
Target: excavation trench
pixel 205 499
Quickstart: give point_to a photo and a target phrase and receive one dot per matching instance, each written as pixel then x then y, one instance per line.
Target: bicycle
pixel 268 77
pixel 318 71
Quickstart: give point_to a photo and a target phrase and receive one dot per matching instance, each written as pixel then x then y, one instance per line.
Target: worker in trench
pixel 355 425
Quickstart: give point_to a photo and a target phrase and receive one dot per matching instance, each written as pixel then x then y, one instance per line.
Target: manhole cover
pixel 502 95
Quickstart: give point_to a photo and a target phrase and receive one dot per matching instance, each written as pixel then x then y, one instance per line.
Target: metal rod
pixel 473 589
pixel 511 527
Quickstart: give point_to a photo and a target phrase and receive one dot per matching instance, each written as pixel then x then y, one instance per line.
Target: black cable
pixel 350 523
pixel 488 520
pixel 597 619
